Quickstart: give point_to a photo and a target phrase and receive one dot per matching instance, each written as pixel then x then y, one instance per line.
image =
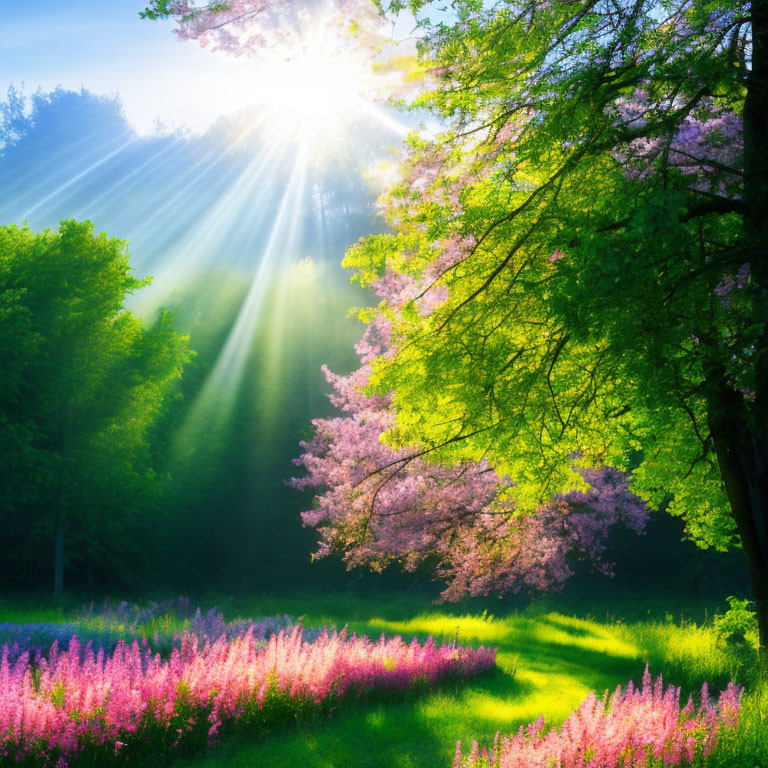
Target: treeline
pixel 84 381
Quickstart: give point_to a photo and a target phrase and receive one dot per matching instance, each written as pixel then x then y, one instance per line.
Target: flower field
pixel 160 624
pixel 636 727
pixel 327 699
pixel 80 706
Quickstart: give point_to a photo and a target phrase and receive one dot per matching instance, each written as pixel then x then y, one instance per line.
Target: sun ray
pixel 123 184
pixel 226 373
pixel 175 193
pixel 241 200
pixel 55 168
pixel 215 402
pixel 77 177
pixel 398 127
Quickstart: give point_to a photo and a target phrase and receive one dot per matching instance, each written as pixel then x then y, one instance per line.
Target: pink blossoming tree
pixel 378 504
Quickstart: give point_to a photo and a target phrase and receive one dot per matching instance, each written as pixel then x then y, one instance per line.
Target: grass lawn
pixel 550 656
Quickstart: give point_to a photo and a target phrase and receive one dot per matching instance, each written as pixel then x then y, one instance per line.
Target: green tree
pixel 83 383
pixel 591 239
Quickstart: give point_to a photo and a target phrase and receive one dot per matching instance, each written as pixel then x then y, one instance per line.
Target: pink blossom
pixel 77 698
pixel 706 146
pixel 621 729
pixel 248 27
pixel 377 505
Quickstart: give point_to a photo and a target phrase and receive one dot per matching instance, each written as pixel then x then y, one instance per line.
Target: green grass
pixel 548 661
pixel 32 611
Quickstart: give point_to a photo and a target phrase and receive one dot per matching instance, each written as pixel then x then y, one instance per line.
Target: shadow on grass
pixel 546 666
pixel 393 733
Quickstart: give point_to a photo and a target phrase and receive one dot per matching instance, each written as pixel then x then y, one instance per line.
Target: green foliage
pixel 83 383
pixel 158 9
pixel 58 695
pixel 163 9
pixel 615 349
pixel 738 624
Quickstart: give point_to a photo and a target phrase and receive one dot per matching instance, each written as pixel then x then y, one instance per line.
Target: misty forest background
pixel 226 521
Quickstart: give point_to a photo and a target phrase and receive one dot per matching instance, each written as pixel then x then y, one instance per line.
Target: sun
pixel 319 84
pixel 313 95
pixel 317 88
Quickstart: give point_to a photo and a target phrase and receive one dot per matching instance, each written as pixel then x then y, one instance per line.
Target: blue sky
pixel 81 160
pixel 106 48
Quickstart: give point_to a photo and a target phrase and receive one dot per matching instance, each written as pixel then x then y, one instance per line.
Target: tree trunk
pixel 740 434
pixel 743 460
pixel 58 558
pixel 755 137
